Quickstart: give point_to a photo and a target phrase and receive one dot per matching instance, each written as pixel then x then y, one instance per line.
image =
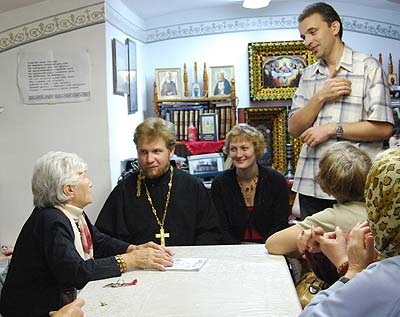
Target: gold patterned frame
pixel 275 68
pixel 275 118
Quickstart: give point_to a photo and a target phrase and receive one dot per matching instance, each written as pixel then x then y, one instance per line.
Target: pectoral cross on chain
pixel 162 235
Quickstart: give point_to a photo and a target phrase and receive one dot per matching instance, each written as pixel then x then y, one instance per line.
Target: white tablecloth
pixel 240 280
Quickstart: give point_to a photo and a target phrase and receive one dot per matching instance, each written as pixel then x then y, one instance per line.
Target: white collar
pixel 75 212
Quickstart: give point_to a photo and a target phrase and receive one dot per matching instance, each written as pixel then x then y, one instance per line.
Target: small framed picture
pixel 392 78
pixel 120 67
pixel 132 96
pixel 206 164
pixel 209 127
pixel 220 78
pixel 169 83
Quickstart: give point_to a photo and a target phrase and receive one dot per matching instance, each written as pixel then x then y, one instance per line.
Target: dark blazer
pixel 271 204
pixel 45 263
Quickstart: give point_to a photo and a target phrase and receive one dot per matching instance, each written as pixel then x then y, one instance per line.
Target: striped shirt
pixel 369 101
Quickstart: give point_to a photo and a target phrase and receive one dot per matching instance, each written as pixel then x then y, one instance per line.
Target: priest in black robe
pixel 159 203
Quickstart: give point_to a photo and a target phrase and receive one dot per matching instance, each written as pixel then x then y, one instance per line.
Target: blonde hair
pixel 343 170
pixel 152 128
pixel 243 131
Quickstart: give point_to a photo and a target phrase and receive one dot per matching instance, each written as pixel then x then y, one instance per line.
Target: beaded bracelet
pixel 342 269
pixel 121 263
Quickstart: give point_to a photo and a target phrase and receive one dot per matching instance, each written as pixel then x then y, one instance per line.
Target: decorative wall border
pixel 53 25
pixel 95 14
pixel 372 27
pixel 359 25
pixel 124 25
pixel 221 26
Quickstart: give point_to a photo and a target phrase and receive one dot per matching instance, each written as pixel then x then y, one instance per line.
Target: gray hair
pixel 51 173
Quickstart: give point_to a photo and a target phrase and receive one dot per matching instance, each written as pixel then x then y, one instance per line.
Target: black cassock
pixel 191 216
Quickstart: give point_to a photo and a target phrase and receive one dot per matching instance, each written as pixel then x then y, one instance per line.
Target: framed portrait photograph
pixel 220 78
pixel 169 83
pixel 132 94
pixel 120 68
pixel 275 68
pixel 206 164
pixel 209 127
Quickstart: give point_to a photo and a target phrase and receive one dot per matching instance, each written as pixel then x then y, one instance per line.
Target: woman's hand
pixel 360 249
pixel 156 246
pixel 148 255
pixel 306 240
pixel 333 245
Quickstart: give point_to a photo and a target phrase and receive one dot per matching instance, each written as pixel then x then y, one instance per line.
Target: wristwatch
pixel 344 280
pixel 339 132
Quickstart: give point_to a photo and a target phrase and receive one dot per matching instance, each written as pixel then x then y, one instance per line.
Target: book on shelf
pixel 228 120
pixel 182 114
pixel 241 115
pixel 222 123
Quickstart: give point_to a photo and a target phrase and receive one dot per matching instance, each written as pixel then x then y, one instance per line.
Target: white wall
pixel 100 130
pixel 231 49
pixel 29 131
pixel 121 125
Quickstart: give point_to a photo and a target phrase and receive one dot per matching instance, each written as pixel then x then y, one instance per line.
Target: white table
pixel 239 280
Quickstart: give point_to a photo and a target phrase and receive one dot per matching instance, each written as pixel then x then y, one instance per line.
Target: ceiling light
pixel 255 4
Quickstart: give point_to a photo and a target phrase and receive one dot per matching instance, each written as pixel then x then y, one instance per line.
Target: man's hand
pixel 318 134
pixel 334 88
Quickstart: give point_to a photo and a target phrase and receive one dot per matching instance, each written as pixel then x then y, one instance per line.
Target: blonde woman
pixel 252 201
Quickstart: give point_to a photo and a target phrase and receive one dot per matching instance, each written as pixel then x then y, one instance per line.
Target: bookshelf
pixel 182 111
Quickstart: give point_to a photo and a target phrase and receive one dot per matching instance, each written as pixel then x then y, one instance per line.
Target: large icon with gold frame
pixel 275 68
pixel 272 123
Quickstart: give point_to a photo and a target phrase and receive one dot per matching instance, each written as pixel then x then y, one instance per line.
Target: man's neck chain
pixel 162 235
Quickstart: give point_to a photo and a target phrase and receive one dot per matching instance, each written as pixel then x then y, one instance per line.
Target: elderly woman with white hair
pixel 58 250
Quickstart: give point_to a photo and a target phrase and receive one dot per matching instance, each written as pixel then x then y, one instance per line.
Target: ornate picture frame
pixel 272 122
pixel 120 67
pixel 169 83
pixel 275 68
pixel 220 78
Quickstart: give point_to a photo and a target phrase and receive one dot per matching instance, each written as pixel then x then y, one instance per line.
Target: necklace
pixel 248 191
pixel 162 235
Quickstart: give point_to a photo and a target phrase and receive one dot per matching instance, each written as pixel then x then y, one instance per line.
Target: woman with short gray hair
pixel 58 249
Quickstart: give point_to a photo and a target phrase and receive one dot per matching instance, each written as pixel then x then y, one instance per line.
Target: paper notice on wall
pixel 49 77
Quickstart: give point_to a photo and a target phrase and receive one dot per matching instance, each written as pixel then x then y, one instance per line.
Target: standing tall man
pixel 343 96
pixel 159 202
